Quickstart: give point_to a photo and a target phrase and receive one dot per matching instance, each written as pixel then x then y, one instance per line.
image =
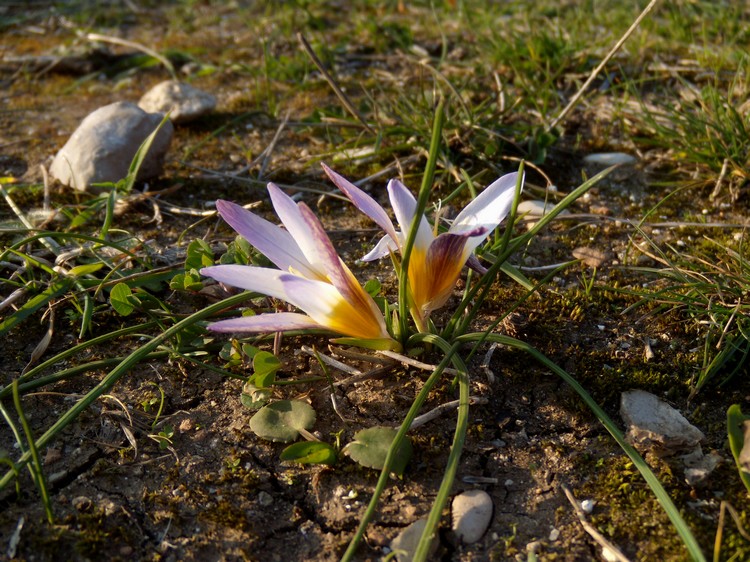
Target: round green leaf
pixel 370 447
pixel 310 452
pixel 122 299
pixel 282 420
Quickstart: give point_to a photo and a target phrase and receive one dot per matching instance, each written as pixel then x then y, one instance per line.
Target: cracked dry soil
pixel 218 492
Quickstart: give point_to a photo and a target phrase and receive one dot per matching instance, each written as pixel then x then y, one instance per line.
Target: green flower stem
pixel 37 471
pixel 385 472
pixel 661 494
pixel 423 196
pixel 123 367
pixel 459 438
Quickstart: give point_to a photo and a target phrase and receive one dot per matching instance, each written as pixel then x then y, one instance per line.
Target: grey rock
pixel 405 544
pixel 652 423
pixel 184 102
pixel 104 144
pixel 471 515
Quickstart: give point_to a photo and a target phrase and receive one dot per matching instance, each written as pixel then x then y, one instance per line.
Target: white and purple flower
pixel 436 260
pixel 311 276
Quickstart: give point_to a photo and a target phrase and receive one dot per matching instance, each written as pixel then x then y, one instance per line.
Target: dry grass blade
pixel 609 550
pixel 133 45
pixel 41 347
pixel 594 73
pixel 332 83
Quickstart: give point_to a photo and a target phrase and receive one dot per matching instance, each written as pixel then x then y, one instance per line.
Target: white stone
pixel 184 102
pixel 654 423
pixel 104 144
pixel 471 515
pixel 536 208
pixel 609 158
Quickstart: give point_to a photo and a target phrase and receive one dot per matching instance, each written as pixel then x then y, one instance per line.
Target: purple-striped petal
pixel 445 259
pixel 271 322
pixel 338 273
pixel 405 207
pixel 290 215
pixel 272 241
pixel 362 201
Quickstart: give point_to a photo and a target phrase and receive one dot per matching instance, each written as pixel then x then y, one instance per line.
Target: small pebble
pixel 472 512
pixel 609 158
pixel 102 147
pixel 588 505
pixel 264 498
pixel 536 208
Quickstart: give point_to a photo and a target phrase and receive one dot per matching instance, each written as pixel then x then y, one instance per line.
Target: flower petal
pixel 338 273
pixel 272 241
pixel 272 322
pixel 362 201
pixel 384 247
pixel 442 265
pixel 489 208
pixel 405 206
pixel 259 279
pixel 329 308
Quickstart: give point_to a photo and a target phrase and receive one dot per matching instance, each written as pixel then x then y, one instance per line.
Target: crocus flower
pixel 436 261
pixel 311 276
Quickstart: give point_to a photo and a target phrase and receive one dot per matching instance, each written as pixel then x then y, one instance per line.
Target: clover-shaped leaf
pixel 370 447
pixel 310 452
pixel 283 420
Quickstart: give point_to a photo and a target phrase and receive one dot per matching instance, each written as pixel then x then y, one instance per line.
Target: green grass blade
pixel 113 376
pixel 37 471
pixel 395 446
pixel 55 289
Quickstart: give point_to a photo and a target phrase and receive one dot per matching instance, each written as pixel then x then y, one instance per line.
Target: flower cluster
pixel 313 278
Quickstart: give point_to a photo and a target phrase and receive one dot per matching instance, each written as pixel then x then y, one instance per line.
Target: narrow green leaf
pixel 735 431
pixel 55 289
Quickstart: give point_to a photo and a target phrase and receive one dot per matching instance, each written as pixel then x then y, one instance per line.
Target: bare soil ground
pixel 220 493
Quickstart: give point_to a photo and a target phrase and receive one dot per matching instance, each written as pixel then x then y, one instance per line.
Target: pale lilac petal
pixel 362 201
pixel 326 306
pixel 290 215
pixel 270 240
pixel 489 208
pixel 383 248
pixel 405 206
pixel 258 279
pixel 271 322
pixel 338 273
